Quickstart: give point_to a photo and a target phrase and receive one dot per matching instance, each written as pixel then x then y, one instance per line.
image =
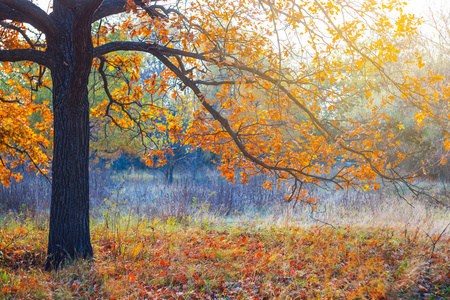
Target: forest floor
pixel 206 257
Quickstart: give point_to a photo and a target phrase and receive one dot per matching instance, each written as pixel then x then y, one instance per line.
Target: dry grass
pixel 205 257
pixel 213 240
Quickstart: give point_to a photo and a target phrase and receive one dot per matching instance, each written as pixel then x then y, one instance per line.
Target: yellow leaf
pixel 136 250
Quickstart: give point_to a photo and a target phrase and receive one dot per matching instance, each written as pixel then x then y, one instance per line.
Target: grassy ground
pixel 205 257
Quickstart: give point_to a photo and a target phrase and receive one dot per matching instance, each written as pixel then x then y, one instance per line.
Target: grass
pixel 206 257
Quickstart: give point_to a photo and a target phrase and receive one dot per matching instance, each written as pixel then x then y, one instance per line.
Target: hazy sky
pixel 421 7
pixel 417 7
pixel 414 6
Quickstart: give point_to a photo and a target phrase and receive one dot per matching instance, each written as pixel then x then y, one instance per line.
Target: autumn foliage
pixel 283 77
pixel 25 129
pixel 181 259
pixel 302 91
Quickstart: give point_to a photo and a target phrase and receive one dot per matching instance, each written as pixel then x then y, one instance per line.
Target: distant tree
pixel 422 139
pixel 279 109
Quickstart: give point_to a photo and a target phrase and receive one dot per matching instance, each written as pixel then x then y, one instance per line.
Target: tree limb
pixel 80 7
pixel 226 125
pixel 67 3
pixel 34 163
pixel 36 56
pixel 7 13
pixel 161 52
pixel 19 30
pixel 8 101
pixel 143 47
pixel 113 7
pixel 29 13
pixel 109 8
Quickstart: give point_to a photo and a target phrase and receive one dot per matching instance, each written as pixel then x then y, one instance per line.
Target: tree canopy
pixel 299 89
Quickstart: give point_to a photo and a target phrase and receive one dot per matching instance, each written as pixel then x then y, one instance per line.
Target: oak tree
pixel 282 75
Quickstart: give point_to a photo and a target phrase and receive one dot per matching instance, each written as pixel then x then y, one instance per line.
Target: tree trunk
pixel 171 167
pixel 72 51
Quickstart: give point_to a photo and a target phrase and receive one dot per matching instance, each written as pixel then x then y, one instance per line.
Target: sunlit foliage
pixel 296 89
pixel 199 259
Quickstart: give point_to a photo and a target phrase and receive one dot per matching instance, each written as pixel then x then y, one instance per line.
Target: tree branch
pixel 36 56
pixel 30 13
pixel 9 13
pixel 226 125
pixel 35 164
pixel 80 7
pixel 8 101
pixel 141 132
pixel 112 7
pixel 67 3
pixel 143 47
pixel 109 8
pixel 161 52
pixel 19 30
pixel 215 83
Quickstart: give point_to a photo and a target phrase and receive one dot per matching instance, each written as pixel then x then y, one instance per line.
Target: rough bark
pixel 72 52
pixel 25 54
